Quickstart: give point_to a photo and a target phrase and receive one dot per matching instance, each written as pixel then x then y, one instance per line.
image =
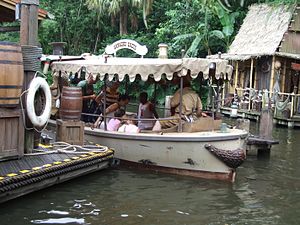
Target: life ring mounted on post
pixel 36 84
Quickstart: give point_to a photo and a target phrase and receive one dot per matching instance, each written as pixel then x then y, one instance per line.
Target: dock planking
pixel 34 172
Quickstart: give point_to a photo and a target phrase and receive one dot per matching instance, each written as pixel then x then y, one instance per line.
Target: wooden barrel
pixel 71 103
pixel 11 74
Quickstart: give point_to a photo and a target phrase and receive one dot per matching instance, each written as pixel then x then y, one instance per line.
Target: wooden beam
pixel 9 29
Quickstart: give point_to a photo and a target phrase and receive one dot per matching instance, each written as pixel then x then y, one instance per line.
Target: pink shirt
pixel 113 124
pixel 129 128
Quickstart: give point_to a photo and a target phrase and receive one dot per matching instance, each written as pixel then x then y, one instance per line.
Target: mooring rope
pixel 64 147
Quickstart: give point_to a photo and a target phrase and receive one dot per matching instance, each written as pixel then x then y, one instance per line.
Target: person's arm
pixel 112 108
pixel 199 108
pixel 93 96
pixel 174 102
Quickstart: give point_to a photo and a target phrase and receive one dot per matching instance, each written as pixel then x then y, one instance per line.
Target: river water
pixel 266 191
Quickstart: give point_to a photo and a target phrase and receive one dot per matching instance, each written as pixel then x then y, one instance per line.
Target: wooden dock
pixel 242 113
pixel 41 170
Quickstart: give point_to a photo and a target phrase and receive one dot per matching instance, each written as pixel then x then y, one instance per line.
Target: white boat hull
pixel 177 153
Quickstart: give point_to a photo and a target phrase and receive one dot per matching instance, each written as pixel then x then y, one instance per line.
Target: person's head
pixel 123 100
pixel 131 120
pixel 113 85
pixel 143 97
pixel 90 79
pixel 119 113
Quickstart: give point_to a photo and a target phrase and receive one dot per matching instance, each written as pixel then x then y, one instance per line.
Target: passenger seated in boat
pixel 114 123
pixel 191 107
pixel 129 126
pixel 112 96
pixel 122 102
pixel 146 110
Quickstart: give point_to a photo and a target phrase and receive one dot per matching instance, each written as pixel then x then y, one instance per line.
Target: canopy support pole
pixel 104 107
pixel 155 93
pixel 180 105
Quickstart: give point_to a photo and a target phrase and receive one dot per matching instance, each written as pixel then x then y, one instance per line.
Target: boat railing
pixel 131 118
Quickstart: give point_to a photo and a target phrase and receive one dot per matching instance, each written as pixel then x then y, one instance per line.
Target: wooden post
pixel 292 105
pixel 251 73
pixel 283 77
pixel 272 74
pixel 255 76
pixel 29 36
pixel 251 78
pixel 236 74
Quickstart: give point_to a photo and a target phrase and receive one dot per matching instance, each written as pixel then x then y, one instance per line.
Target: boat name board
pixel 128 44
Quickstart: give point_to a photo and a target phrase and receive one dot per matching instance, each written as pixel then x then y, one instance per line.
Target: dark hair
pixel 144 94
pixel 119 113
pixel 123 97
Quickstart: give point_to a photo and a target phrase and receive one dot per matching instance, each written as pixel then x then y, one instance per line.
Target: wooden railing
pixel 292 104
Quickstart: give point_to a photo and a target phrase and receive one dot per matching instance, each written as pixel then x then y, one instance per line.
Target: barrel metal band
pixel 10 86
pixel 8 43
pixel 9 98
pixel 10 50
pixel 11 62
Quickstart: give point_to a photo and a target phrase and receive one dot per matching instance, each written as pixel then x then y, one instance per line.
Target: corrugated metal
pixel 295 23
pixel 291 43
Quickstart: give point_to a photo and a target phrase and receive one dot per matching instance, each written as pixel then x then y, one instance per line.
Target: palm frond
pixel 193 49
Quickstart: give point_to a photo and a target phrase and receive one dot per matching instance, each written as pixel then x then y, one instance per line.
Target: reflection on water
pixel 267 191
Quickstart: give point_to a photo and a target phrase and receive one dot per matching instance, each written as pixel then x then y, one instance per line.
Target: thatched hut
pixel 265 54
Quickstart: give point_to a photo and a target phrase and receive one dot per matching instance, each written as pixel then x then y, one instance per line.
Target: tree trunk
pixel 124 20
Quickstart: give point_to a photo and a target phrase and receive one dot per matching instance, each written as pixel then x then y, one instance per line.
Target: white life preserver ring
pixel 42 119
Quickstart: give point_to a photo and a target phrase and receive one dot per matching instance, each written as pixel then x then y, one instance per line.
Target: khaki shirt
pixel 190 101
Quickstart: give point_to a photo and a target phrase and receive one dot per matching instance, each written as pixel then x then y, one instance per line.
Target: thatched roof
pixel 261 32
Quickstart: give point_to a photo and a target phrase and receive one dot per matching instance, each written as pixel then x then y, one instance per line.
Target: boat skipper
pixel 191 107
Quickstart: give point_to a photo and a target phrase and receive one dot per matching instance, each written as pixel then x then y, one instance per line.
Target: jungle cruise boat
pixel 199 149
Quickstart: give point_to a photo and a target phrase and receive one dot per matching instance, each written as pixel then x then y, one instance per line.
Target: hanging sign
pixel 128 44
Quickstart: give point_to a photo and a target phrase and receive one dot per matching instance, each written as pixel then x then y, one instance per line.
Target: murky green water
pixel 267 191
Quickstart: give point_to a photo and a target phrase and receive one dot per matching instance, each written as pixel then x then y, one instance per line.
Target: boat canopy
pixel 144 67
